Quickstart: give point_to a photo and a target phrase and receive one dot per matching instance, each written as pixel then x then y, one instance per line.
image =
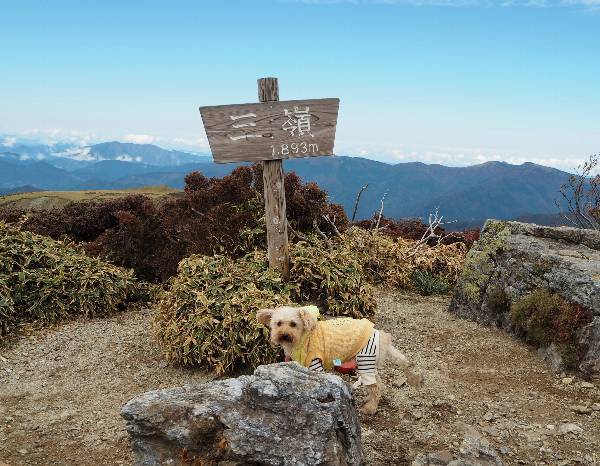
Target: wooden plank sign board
pixel 268 132
pixel 272 130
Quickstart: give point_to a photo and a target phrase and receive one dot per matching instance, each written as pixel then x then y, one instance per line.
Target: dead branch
pixel 320 233
pixel 332 223
pixel 197 212
pixel 297 233
pixel 358 200
pixel 581 194
pixel 380 212
pixel 435 221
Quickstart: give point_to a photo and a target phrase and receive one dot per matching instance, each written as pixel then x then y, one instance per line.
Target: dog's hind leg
pixel 389 350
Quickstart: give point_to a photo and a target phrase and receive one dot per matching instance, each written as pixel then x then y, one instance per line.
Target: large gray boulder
pixel 512 260
pixel 281 415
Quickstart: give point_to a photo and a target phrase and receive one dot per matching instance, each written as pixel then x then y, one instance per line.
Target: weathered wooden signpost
pixel 271 131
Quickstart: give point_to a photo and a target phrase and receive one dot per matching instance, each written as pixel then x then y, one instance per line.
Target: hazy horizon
pixel 16 142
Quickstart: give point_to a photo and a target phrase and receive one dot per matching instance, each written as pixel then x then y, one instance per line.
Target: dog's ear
pixel 308 319
pixel 264 316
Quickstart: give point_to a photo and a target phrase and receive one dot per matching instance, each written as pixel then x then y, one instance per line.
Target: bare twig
pixel 332 223
pixel 297 233
pixel 380 212
pixel 435 221
pixel 320 233
pixel 582 196
pixel 358 200
pixel 196 212
pixel 563 214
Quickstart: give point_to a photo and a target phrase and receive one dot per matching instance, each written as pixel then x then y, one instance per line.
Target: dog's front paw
pixel 369 408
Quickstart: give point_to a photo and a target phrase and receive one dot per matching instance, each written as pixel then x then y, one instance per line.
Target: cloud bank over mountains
pixel 73 144
pixel 411 189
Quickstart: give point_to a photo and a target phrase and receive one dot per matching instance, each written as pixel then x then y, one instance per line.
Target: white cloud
pixel 189 142
pixel 50 136
pixel 457 156
pixel 195 144
pixel 9 141
pixel 139 138
pixel 77 140
pixel 77 153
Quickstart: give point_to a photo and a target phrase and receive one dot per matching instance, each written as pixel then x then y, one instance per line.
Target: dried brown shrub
pixel 414 229
pixel 212 215
pixel 393 262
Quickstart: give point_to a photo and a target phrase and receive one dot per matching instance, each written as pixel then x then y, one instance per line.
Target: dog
pixel 323 344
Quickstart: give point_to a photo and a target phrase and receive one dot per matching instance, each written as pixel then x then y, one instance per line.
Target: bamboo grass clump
pixel 207 316
pixel 43 280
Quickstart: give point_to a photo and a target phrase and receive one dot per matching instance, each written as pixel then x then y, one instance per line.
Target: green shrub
pixel 543 318
pixel 428 284
pixel 498 301
pixel 43 280
pixel 7 310
pixel 332 278
pixel 208 315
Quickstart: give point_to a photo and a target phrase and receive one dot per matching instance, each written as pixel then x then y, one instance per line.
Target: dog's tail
pixel 413 379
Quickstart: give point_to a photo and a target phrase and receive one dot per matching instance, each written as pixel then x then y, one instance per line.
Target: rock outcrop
pixel 513 260
pixel 281 415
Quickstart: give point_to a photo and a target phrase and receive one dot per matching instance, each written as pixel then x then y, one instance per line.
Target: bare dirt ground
pixel 61 391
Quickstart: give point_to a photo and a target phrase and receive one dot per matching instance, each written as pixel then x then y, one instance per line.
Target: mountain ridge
pixel 71 156
pixel 412 189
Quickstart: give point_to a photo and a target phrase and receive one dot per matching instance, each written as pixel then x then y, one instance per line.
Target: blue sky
pixel 452 82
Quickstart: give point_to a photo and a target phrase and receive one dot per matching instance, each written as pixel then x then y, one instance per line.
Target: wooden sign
pixel 271 130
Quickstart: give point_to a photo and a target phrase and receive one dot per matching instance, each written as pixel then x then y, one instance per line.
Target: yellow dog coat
pixel 341 339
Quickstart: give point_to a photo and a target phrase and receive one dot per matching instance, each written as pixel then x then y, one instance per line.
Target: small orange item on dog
pixel 347 367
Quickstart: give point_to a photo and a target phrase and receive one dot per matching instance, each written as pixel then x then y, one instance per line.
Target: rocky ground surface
pixel 61 390
pixel 486 394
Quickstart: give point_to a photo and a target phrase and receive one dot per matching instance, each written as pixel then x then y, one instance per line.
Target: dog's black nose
pixel 285 337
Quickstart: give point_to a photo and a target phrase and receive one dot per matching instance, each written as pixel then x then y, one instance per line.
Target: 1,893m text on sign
pixel 271 130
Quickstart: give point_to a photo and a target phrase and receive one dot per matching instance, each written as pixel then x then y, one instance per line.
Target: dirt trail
pixel 60 402
pixel 61 392
pixel 478 379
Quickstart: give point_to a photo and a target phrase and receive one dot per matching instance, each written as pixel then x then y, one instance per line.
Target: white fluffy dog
pixel 324 344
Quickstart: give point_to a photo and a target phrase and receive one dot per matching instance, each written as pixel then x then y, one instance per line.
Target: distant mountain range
pixel 18 190
pixel 467 194
pixel 72 157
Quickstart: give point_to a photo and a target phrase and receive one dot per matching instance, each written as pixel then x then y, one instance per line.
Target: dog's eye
pixel 279 324
pixel 292 324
